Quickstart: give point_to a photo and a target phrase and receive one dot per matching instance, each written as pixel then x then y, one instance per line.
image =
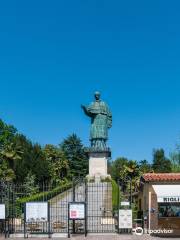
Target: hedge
pixel 42 196
pixel 45 195
pixel 115 195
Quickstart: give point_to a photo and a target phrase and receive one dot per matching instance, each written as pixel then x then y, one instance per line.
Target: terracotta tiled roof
pixel 158 177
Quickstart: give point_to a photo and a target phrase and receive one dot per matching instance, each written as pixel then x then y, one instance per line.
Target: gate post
pixel 74 199
pixel 86 207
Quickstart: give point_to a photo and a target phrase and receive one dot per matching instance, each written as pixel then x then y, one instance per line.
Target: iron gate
pixel 102 217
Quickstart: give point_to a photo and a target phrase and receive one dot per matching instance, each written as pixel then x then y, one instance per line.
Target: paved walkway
pixel 119 237
pixel 105 237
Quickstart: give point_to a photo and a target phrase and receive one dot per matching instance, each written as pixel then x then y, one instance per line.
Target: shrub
pixel 106 179
pixel 115 195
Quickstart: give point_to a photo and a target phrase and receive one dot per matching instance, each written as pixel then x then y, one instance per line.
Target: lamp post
pixel 126 179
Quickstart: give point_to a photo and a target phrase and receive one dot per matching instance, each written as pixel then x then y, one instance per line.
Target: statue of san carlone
pixel 101 121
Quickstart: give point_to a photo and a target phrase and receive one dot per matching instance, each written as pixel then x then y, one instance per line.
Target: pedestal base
pixel 98 164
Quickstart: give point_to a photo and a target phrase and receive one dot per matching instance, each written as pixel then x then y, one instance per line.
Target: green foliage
pixel 20 159
pixel 90 179
pixel 29 185
pixel 123 169
pixel 76 156
pixel 134 210
pixel 115 195
pixel 117 168
pixel 32 160
pixel 145 167
pixel 6 173
pixel 175 159
pixel 57 162
pixel 7 133
pixel 161 164
pixel 106 179
pixel 47 195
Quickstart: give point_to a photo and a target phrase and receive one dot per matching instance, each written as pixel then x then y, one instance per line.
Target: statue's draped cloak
pixel 101 120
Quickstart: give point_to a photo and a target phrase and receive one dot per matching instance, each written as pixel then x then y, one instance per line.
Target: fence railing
pixel 102 216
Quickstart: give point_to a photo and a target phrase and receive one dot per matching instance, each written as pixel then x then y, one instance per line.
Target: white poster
pixel 125 203
pixel 125 219
pixel 36 212
pixel 2 211
pixel 77 211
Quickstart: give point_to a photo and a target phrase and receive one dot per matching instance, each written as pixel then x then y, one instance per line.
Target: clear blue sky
pixel 55 54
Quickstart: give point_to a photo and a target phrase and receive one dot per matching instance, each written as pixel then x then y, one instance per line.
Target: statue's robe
pixel 101 120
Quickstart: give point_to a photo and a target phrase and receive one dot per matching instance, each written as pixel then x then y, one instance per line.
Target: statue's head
pixel 97 95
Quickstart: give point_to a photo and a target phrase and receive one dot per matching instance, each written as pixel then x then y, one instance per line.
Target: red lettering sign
pixel 73 214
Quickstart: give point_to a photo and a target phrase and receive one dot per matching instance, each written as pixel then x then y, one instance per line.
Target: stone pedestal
pixel 98 164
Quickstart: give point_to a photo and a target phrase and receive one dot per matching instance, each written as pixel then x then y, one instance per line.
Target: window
pixel 169 210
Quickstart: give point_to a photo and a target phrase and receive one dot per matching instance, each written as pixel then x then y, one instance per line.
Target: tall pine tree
pixel 161 164
pixel 75 153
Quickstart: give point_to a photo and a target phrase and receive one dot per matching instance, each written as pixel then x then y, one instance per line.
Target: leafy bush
pixel 45 196
pixel 106 179
pixel 90 179
pixel 115 195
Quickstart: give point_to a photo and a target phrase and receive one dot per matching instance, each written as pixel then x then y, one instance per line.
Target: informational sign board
pixel 125 219
pixel 2 211
pixel 125 203
pixel 76 211
pixel 36 211
pixel 107 221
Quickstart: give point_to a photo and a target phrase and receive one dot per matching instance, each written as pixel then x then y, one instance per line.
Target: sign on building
pixel 76 211
pixel 125 219
pixel 172 199
pixel 36 211
pixel 2 211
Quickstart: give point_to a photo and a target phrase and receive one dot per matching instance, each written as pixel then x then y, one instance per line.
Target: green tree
pixel 7 133
pixel 57 161
pixel 175 159
pixel 6 174
pixel 122 168
pixel 127 172
pixel 7 153
pixel 131 169
pixel 76 156
pixel 132 172
pixel 117 168
pixel 161 164
pixel 11 152
pixel 24 165
pixel 30 184
pixel 145 167
pixel 39 164
pixel 32 160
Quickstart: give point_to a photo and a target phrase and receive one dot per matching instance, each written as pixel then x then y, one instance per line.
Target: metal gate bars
pixel 102 216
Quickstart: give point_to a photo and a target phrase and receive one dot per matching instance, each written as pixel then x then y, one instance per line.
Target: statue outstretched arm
pixel 86 111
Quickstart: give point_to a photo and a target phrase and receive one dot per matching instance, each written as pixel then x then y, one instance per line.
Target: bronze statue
pixel 101 121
